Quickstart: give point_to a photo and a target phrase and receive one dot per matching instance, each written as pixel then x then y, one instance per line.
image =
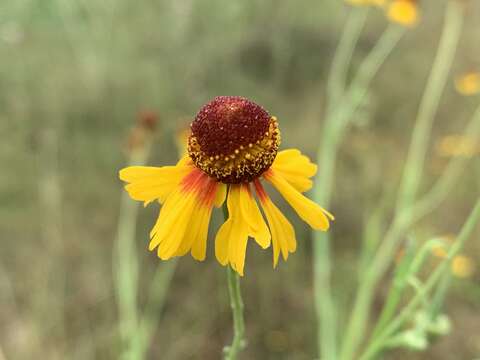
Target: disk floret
pixel 233 139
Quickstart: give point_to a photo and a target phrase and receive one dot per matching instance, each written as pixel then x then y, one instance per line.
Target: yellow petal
pixel 150 183
pixel 192 231
pixel 296 168
pixel 251 216
pixel 220 195
pixel 223 237
pixel 308 211
pixel 283 233
pixel 172 230
pixel 199 247
pixel 182 225
pixel 240 249
pixel 244 219
pixel 257 229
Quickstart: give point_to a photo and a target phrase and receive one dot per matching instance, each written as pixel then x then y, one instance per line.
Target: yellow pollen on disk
pixel 245 163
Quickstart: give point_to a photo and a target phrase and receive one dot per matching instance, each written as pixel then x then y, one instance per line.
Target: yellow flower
pixel 366 2
pixel 468 84
pixel 463 266
pixel 233 145
pixel 457 145
pixel 403 12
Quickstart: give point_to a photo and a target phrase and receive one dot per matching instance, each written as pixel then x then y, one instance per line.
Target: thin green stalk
pixel 361 309
pixel 466 232
pixel 334 128
pixel 236 303
pixel 422 207
pixel 338 116
pixel 342 58
pixel 447 181
pixel 126 266
pixel 438 298
pixel 401 280
pixel 358 89
pixel 156 300
pixel 429 105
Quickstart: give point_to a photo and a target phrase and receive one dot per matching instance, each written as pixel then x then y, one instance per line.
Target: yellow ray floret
pixel 188 195
pixel 283 234
pixel 296 168
pixel 315 216
pixel 244 220
pixel 147 183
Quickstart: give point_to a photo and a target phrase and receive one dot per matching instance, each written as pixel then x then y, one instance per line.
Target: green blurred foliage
pixel 74 75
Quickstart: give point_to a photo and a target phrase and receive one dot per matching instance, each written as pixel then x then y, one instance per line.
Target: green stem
pixel 156 300
pixel 467 230
pixel 361 309
pixel 429 105
pixel 400 281
pixel 337 121
pixel 447 181
pixel 343 55
pixel 236 303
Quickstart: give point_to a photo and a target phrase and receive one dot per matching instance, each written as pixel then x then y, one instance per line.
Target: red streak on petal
pixel 268 174
pixel 262 195
pixel 210 187
pixel 204 186
pixel 191 180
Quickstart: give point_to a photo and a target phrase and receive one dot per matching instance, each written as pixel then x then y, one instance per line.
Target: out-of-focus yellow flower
pixel 366 2
pixel 439 251
pixel 463 266
pixel 468 83
pixel 457 145
pixel 403 12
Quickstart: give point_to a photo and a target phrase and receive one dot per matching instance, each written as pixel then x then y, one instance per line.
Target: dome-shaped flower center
pixel 233 139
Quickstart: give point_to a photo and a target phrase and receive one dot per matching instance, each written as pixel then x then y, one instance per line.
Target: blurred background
pixel 75 77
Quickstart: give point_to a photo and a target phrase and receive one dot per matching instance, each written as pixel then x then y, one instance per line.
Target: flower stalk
pixel 236 303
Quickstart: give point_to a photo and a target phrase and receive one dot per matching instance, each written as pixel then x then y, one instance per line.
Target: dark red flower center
pixel 233 139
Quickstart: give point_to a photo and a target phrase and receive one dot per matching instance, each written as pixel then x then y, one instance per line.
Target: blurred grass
pixel 74 75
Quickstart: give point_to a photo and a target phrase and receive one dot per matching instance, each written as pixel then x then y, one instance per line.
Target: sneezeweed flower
pixel 403 12
pixel 233 145
pixel 468 83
